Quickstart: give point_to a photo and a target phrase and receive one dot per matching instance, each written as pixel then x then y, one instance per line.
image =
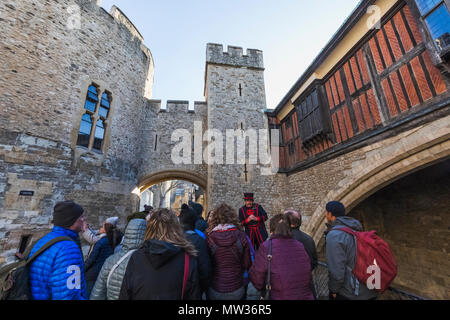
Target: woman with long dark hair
pixel 109 238
pixel 113 234
pixel 165 267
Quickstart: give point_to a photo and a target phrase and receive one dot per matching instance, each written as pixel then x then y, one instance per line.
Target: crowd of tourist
pixel 167 255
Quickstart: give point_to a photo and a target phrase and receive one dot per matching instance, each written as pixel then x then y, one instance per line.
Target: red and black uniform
pixel 256 230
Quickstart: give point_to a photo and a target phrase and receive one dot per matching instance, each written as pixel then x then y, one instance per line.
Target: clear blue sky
pixel 290 32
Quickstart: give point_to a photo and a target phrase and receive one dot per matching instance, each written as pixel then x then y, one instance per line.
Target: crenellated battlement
pixel 176 106
pixel 234 56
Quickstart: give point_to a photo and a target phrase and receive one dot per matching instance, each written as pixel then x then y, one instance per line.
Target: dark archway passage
pixel 413 216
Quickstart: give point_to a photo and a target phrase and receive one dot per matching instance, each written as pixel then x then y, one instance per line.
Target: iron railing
pixel 320 280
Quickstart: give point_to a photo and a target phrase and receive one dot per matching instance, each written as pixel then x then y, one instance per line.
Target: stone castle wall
pixel 413 216
pixel 158 127
pixel 235 92
pixel 46 67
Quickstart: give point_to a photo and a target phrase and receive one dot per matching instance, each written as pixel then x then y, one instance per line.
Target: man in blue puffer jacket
pixel 58 273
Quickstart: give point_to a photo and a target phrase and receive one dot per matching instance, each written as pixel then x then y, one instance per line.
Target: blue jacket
pixel 58 273
pixel 102 250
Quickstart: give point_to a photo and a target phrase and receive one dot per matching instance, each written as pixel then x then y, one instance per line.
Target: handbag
pixel 265 294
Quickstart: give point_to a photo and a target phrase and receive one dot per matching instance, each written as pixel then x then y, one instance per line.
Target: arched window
pixel 99 135
pixel 91 99
pixel 84 134
pixel 105 105
pixel 94 121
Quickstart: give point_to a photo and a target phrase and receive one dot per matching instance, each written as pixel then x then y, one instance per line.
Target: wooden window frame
pixel 323 128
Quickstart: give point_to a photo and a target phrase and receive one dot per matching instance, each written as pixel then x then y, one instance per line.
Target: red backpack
pixel 373 254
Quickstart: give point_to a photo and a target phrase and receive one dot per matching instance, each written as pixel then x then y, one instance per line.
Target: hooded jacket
pixel 50 272
pixel 204 261
pixel 290 269
pixel 228 261
pixel 341 259
pixel 156 272
pixel 133 239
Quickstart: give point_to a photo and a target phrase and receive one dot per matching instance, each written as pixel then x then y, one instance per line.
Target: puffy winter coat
pixel 228 260
pixel 133 239
pixel 156 272
pixel 102 250
pixel 290 269
pixel 59 265
pixel 341 259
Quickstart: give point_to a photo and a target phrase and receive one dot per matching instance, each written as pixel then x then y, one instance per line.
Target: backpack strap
pixel 268 287
pixel 186 274
pixel 48 245
pixel 117 264
pixel 347 230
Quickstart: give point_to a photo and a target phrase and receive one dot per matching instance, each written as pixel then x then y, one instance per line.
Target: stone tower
pixel 235 94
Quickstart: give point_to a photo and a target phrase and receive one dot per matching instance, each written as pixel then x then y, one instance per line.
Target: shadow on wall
pixel 413 216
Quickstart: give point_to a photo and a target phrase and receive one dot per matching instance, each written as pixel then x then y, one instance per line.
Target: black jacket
pixel 156 271
pixel 309 244
pixel 203 259
pixel 102 250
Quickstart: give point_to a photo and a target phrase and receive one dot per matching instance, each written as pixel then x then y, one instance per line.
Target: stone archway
pixel 167 175
pixel 386 162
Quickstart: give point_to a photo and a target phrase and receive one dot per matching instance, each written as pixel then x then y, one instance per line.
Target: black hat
pixel 249 196
pixel 66 213
pixel 336 208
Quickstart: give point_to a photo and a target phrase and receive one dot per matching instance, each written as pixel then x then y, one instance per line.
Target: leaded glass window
pixel 437 18
pixel 94 121
pixel 85 131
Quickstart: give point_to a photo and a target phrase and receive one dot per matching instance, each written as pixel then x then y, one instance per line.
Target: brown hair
pixel 164 225
pixel 223 214
pixel 279 225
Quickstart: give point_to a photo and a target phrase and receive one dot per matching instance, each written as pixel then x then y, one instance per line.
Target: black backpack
pixel 14 277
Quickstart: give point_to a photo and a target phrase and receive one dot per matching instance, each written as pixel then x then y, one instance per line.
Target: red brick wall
pixel 402 71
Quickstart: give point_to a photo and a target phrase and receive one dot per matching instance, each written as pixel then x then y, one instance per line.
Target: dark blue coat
pixel 102 250
pixel 54 274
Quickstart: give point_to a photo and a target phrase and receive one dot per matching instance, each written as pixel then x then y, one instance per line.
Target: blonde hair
pixel 223 214
pixel 164 225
